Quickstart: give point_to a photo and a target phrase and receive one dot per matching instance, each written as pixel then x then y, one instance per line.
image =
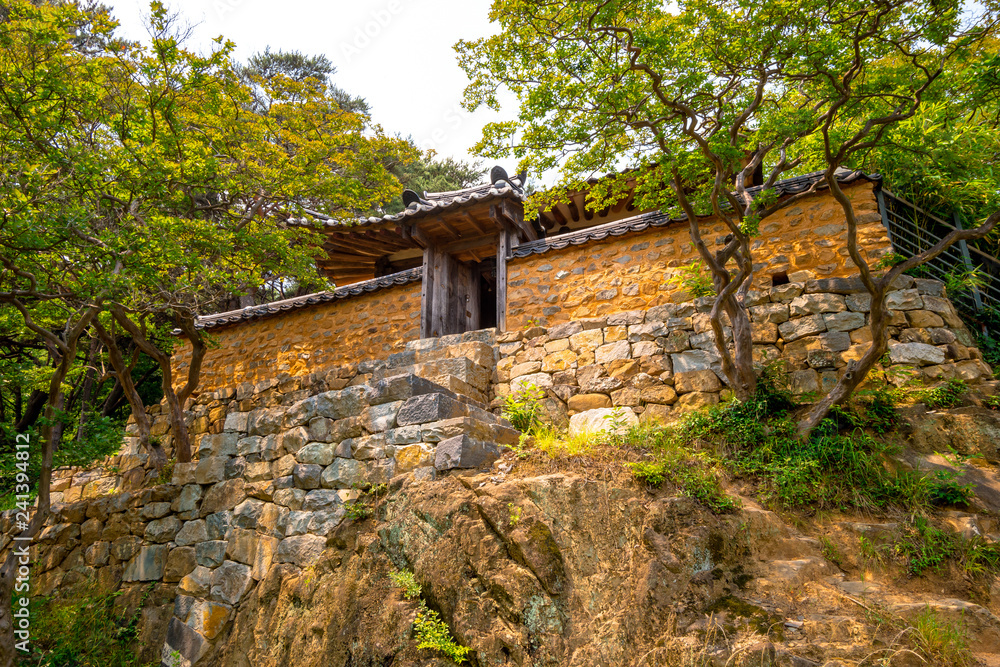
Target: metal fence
pixel 913 230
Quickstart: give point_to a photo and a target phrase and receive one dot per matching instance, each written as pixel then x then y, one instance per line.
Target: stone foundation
pixel 268 487
pixel 663 361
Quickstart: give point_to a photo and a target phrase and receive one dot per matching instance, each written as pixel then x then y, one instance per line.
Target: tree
pixel 699 98
pixel 140 187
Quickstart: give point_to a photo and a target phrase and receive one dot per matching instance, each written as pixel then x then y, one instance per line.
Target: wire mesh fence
pixel 913 230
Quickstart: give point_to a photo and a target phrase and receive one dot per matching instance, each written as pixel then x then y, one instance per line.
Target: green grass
pixel 947 395
pixel 84 630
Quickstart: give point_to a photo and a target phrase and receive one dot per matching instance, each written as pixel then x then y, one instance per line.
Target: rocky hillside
pixel 587 567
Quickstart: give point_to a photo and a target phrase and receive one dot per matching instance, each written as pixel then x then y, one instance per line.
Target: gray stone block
pixel 343 474
pixel 318 453
pixel 230 581
pixel 307 476
pixel 401 388
pixel 183 639
pixel 301 550
pixel 148 564
pixel 321 499
pixel 430 408
pixel 210 554
pixel 464 452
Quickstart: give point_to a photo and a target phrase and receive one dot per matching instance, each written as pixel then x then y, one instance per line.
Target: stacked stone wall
pixel 662 361
pixel 335 335
pixel 268 487
pixel 635 271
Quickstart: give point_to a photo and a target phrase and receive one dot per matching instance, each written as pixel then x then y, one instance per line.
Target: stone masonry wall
pixel 632 272
pixel 461 363
pixel 307 340
pixel 266 488
pixel 662 361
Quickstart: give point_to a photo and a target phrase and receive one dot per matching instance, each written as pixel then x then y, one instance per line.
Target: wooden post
pixel 427 292
pixel 503 249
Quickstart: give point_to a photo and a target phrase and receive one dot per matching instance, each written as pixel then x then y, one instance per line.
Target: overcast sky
pixel 397 54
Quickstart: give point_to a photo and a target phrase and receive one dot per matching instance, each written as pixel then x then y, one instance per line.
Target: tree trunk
pixel 51 430
pixel 175 399
pixel 856 371
pixel 124 373
pixel 87 390
pixel 32 411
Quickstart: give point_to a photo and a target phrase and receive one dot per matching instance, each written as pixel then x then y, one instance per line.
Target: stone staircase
pixel 462 363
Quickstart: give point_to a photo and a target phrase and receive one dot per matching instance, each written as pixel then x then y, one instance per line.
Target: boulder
pixel 601 420
pixel 230 581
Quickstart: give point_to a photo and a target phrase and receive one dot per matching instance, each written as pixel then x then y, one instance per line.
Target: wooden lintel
pixel 416 235
pixel 469 244
pixel 506 213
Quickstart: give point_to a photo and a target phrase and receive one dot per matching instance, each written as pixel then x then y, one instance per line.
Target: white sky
pixel 397 54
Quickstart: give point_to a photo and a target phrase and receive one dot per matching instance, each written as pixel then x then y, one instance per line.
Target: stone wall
pixel 317 338
pixel 460 363
pixel 661 361
pixel 633 271
pixel 268 487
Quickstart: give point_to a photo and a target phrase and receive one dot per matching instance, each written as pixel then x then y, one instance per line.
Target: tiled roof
pixel 438 202
pixel 277 307
pixel 644 221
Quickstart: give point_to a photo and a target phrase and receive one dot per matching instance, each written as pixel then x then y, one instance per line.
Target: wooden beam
pixel 346 265
pixel 448 227
pixel 468 244
pixel 505 212
pixel 559 217
pixel 413 233
pixel 476 225
pixel 390 240
pixel 348 257
pixel 574 212
pixel 353 246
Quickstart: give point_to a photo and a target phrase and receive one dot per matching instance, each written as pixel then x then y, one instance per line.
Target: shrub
pixel 407 581
pixel 84 630
pixel 431 632
pixel 520 408
pixel 694 279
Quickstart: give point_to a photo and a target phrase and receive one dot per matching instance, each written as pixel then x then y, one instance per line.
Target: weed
pixel 167 472
pixel 947 395
pixel 694 279
pixel 520 408
pixel 923 547
pixel 407 581
pixel 693 472
pixel 515 514
pixel 357 510
pixel 431 632
pixel 940 641
pixel 992 402
pixel 85 629
pixel 831 552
